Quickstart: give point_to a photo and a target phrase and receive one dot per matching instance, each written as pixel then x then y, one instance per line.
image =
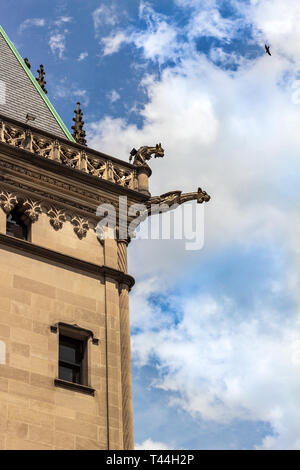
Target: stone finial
pixel 41 78
pixel 79 133
pixel 27 63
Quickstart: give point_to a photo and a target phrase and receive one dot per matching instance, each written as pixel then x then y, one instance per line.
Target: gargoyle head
pixel 159 151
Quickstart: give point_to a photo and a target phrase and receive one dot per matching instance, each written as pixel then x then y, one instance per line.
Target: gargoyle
pixel 145 153
pixel 175 197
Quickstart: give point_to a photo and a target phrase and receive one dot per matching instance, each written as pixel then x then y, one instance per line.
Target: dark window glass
pixel 71 352
pixel 15 226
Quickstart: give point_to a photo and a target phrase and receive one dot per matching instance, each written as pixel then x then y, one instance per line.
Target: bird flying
pixel 267 49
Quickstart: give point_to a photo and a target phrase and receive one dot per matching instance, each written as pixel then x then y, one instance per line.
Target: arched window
pixel 17 224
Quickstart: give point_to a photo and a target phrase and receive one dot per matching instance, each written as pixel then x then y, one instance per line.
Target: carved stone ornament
pixel 8 201
pixel 57 217
pixel 145 153
pixel 167 200
pixel 33 209
pixel 21 137
pixel 41 78
pixel 81 226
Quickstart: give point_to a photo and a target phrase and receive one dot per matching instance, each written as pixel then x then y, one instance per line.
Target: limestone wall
pixel 34 414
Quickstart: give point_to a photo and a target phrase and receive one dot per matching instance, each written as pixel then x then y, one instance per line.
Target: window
pixel 73 346
pixel 17 224
pixel 71 359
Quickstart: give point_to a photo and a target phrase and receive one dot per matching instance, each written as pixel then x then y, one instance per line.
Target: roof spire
pixel 41 80
pixel 79 133
pixel 27 62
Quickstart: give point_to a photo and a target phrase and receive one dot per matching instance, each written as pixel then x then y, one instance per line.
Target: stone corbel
pixel 33 209
pixel 57 217
pixel 8 201
pixel 81 226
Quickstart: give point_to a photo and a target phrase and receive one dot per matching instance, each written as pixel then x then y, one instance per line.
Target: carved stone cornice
pixel 67 154
pixel 57 216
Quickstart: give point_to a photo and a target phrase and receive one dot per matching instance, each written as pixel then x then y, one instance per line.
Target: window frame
pixel 74 332
pixel 77 367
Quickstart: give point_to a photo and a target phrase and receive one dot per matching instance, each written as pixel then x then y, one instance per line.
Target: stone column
pixel 143 174
pixel 125 352
pixel 113 353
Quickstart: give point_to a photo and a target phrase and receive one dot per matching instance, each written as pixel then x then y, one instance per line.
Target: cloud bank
pixel 234 133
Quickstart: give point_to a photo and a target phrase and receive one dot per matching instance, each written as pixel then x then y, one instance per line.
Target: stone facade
pixel 61 277
pixel 62 274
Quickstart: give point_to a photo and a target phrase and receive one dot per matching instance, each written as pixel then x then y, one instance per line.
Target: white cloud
pixel 57 43
pixel 113 96
pixel 278 23
pixel 104 15
pixel 158 42
pixel 64 90
pixel 225 369
pixel 235 134
pixel 63 20
pixel 82 56
pixel 57 40
pixel 210 23
pixel 40 22
pixel 112 43
pixel 148 444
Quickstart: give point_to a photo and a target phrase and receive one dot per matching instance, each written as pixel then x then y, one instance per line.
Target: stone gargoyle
pixel 145 153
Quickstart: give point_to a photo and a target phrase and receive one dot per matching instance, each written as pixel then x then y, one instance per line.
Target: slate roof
pixel 21 94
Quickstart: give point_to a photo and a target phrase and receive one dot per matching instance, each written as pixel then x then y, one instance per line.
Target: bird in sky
pixel 267 49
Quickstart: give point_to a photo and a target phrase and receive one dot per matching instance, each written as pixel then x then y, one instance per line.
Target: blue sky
pixel 215 332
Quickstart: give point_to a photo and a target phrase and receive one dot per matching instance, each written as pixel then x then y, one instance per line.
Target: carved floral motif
pixel 57 217
pixel 33 209
pixel 71 156
pixel 81 226
pixel 8 201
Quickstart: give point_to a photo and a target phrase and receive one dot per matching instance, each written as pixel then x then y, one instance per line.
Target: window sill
pixel 75 387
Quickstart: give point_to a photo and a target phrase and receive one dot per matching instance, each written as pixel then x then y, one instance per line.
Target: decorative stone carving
pixel 177 197
pixel 57 217
pixel 55 154
pixel 81 226
pixel 8 201
pixel 27 141
pixel 33 209
pixel 41 78
pixel 145 153
pixel 79 133
pixel 101 167
pixel 27 62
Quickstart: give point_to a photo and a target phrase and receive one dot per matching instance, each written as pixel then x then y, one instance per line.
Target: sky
pixel 215 331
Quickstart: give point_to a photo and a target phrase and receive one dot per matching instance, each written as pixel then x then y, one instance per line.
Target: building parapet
pixel 68 154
